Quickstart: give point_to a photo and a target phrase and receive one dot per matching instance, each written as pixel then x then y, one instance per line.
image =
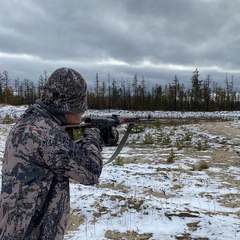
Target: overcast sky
pixel 157 39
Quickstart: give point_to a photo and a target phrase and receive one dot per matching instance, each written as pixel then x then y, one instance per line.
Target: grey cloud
pixel 197 34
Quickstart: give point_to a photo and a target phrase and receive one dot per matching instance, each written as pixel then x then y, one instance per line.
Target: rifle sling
pixel 121 144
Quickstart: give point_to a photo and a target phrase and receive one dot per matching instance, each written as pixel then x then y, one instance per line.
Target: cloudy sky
pixel 157 39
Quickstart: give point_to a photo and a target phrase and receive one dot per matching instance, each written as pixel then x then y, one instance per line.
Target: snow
pixel 143 194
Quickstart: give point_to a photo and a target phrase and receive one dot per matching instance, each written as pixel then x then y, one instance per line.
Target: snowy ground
pixel 177 180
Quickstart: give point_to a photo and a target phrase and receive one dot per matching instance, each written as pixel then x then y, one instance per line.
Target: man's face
pixel 74 118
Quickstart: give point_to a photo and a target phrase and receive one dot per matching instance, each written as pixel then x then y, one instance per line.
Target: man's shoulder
pixel 35 124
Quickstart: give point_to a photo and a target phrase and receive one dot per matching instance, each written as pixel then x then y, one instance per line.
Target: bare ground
pixel 227 135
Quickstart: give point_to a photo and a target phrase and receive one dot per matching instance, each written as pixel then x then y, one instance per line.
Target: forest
pixel 135 94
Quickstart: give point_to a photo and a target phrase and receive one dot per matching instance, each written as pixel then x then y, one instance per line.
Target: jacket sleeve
pixel 79 161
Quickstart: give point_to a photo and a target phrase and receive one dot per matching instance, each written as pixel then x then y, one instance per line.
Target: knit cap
pixel 65 91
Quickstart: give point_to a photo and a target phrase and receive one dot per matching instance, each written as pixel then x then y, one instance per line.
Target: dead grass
pixel 222 158
pixel 128 235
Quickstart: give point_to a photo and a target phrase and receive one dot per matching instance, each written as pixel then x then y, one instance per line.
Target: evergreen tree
pixel 196 91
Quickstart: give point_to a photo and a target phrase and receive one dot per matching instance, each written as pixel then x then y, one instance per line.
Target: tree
pixel 41 81
pixel 157 95
pixel 8 95
pixel 96 92
pixel 114 94
pixel 27 90
pixel 109 91
pixel 1 87
pixel 17 91
pixel 102 96
pixel 6 80
pixel 176 87
pixel 124 94
pixel 4 84
pixel 207 92
pixel 182 97
pixel 230 94
pixel 196 92
pixel 142 94
pixel 135 90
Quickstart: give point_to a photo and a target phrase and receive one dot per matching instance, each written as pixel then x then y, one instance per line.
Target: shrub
pixel 171 157
pixel 148 139
pixel 118 161
pixel 201 146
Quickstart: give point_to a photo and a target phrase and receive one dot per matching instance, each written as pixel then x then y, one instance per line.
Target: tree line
pixel 202 95
pixel 20 92
pixel 136 94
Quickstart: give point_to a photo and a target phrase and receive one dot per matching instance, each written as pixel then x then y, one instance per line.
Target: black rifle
pixel 108 125
pixel 108 131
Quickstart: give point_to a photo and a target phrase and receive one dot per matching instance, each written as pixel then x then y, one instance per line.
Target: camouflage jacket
pixel 38 161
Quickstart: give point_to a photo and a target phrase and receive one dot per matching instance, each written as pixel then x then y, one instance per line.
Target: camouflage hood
pixel 65 91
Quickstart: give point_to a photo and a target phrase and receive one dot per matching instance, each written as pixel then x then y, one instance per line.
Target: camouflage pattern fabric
pixel 65 91
pixel 39 159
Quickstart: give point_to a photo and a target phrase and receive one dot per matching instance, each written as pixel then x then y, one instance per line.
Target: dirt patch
pixel 129 235
pixel 74 221
pixel 142 183
pixel 228 129
pixel 112 185
pixel 219 163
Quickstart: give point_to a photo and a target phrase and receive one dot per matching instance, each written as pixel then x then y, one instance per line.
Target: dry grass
pixel 222 158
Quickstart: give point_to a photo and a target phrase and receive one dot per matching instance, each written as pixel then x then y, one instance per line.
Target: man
pixel 40 157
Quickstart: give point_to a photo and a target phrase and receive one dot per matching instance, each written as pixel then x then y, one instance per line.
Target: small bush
pixel 118 161
pixel 202 146
pixel 171 157
pixel 179 143
pixel 8 120
pixel 166 139
pixel 137 128
pixel 188 136
pixel 202 165
pixel 135 139
pixel 148 139
pixel 157 124
pixel 158 136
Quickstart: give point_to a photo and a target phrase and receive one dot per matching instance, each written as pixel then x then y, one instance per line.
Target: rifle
pixel 107 126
